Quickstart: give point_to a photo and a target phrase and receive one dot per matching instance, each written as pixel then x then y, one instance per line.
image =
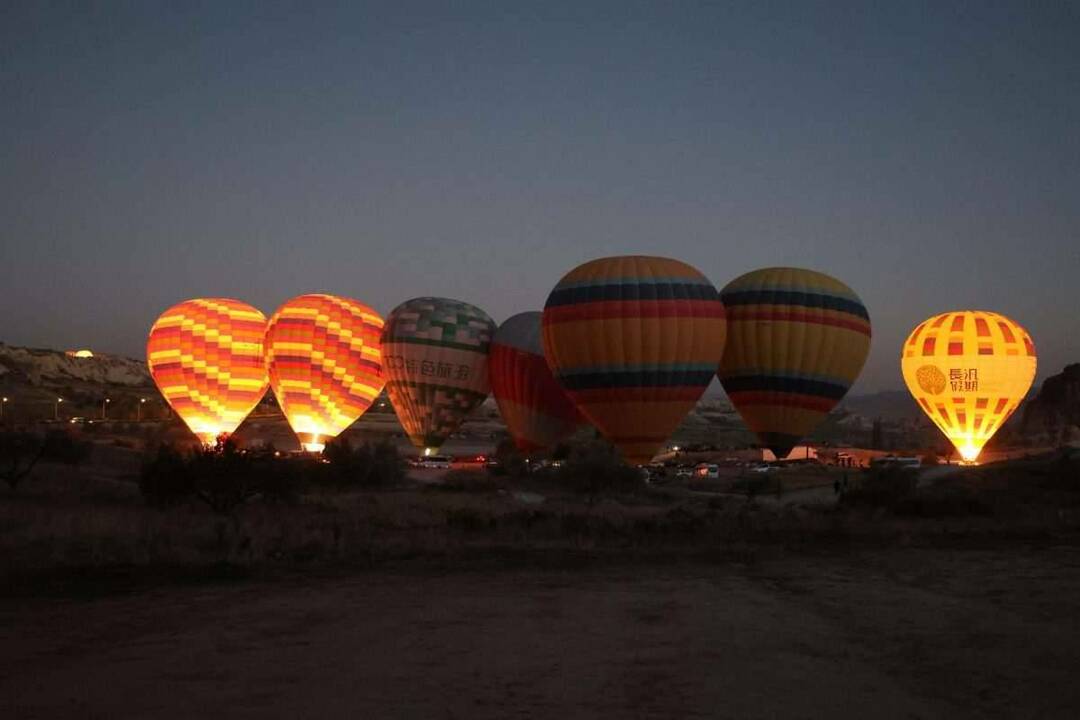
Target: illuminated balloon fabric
pixel 206 357
pixel 436 357
pixel 324 358
pixel 968 370
pixel 537 411
pixel 797 340
pixel 635 342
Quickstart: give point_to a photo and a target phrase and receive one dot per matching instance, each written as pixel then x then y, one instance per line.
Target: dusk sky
pixel 926 154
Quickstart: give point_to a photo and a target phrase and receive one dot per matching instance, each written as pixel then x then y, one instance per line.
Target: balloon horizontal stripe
pixel 636 378
pixel 848 323
pixel 736 298
pixel 643 394
pixel 784 384
pixel 783 372
pixel 807 283
pixel 301 361
pixel 783 399
pixel 617 309
pixel 634 290
pixel 636 280
pixel 568 372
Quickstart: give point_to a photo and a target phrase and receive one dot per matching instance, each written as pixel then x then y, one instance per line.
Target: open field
pixel 890 634
pixel 472 596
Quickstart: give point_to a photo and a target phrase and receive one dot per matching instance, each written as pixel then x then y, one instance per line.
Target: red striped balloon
pixel 537 411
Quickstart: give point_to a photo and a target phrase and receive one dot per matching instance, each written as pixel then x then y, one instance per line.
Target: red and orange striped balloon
pixel 537 411
pixel 324 358
pixel 206 357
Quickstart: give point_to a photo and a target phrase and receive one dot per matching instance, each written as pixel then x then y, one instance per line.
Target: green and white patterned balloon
pixel 435 354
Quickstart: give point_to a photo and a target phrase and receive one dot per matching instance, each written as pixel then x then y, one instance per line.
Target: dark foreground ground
pixel 893 634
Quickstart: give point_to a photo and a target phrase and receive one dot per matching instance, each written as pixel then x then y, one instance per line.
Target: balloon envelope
pixel 436 358
pixel 968 370
pixel 206 357
pixel 324 358
pixel 797 340
pixel 537 411
pixel 635 341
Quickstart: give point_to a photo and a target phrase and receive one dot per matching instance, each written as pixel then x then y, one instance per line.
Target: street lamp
pixel 2 404
pixel 56 408
pixel 141 401
pixel 104 403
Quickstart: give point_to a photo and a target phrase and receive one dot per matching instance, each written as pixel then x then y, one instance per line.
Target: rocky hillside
pixel 1054 413
pixel 32 379
pixel 51 368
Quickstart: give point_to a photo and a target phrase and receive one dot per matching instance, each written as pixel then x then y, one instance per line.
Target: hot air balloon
pixel 324 358
pixel 797 340
pixel 436 354
pixel 537 411
pixel 206 357
pixel 968 370
pixel 635 341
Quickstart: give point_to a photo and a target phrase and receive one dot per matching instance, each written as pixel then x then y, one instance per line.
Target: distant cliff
pixel 33 367
pixel 1054 413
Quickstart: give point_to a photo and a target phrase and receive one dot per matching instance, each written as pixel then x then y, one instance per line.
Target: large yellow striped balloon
pixel 797 340
pixel 324 357
pixel 635 341
pixel 206 357
pixel 968 370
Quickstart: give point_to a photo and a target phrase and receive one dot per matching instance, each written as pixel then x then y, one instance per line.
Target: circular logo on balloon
pixel 931 379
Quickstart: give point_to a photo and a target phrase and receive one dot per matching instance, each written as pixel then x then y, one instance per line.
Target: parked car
pixel 706 471
pixel 440 462
pixel 684 471
pixel 465 462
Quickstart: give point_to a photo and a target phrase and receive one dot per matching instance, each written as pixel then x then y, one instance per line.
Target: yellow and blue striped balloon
pixel 797 340
pixel 635 341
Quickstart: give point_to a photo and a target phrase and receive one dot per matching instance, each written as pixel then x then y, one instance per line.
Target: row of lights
pixel 56 407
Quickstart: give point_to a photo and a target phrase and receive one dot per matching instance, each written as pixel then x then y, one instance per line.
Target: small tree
pixel 596 468
pixel 510 459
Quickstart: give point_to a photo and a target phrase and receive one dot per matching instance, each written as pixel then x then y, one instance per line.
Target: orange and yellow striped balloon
pixel 969 370
pixel 206 357
pixel 634 341
pixel 324 357
pixel 797 340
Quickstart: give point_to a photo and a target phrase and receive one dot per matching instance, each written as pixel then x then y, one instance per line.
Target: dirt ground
pixel 902 634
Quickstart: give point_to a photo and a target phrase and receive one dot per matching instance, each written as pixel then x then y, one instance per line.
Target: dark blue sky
pixel 926 154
